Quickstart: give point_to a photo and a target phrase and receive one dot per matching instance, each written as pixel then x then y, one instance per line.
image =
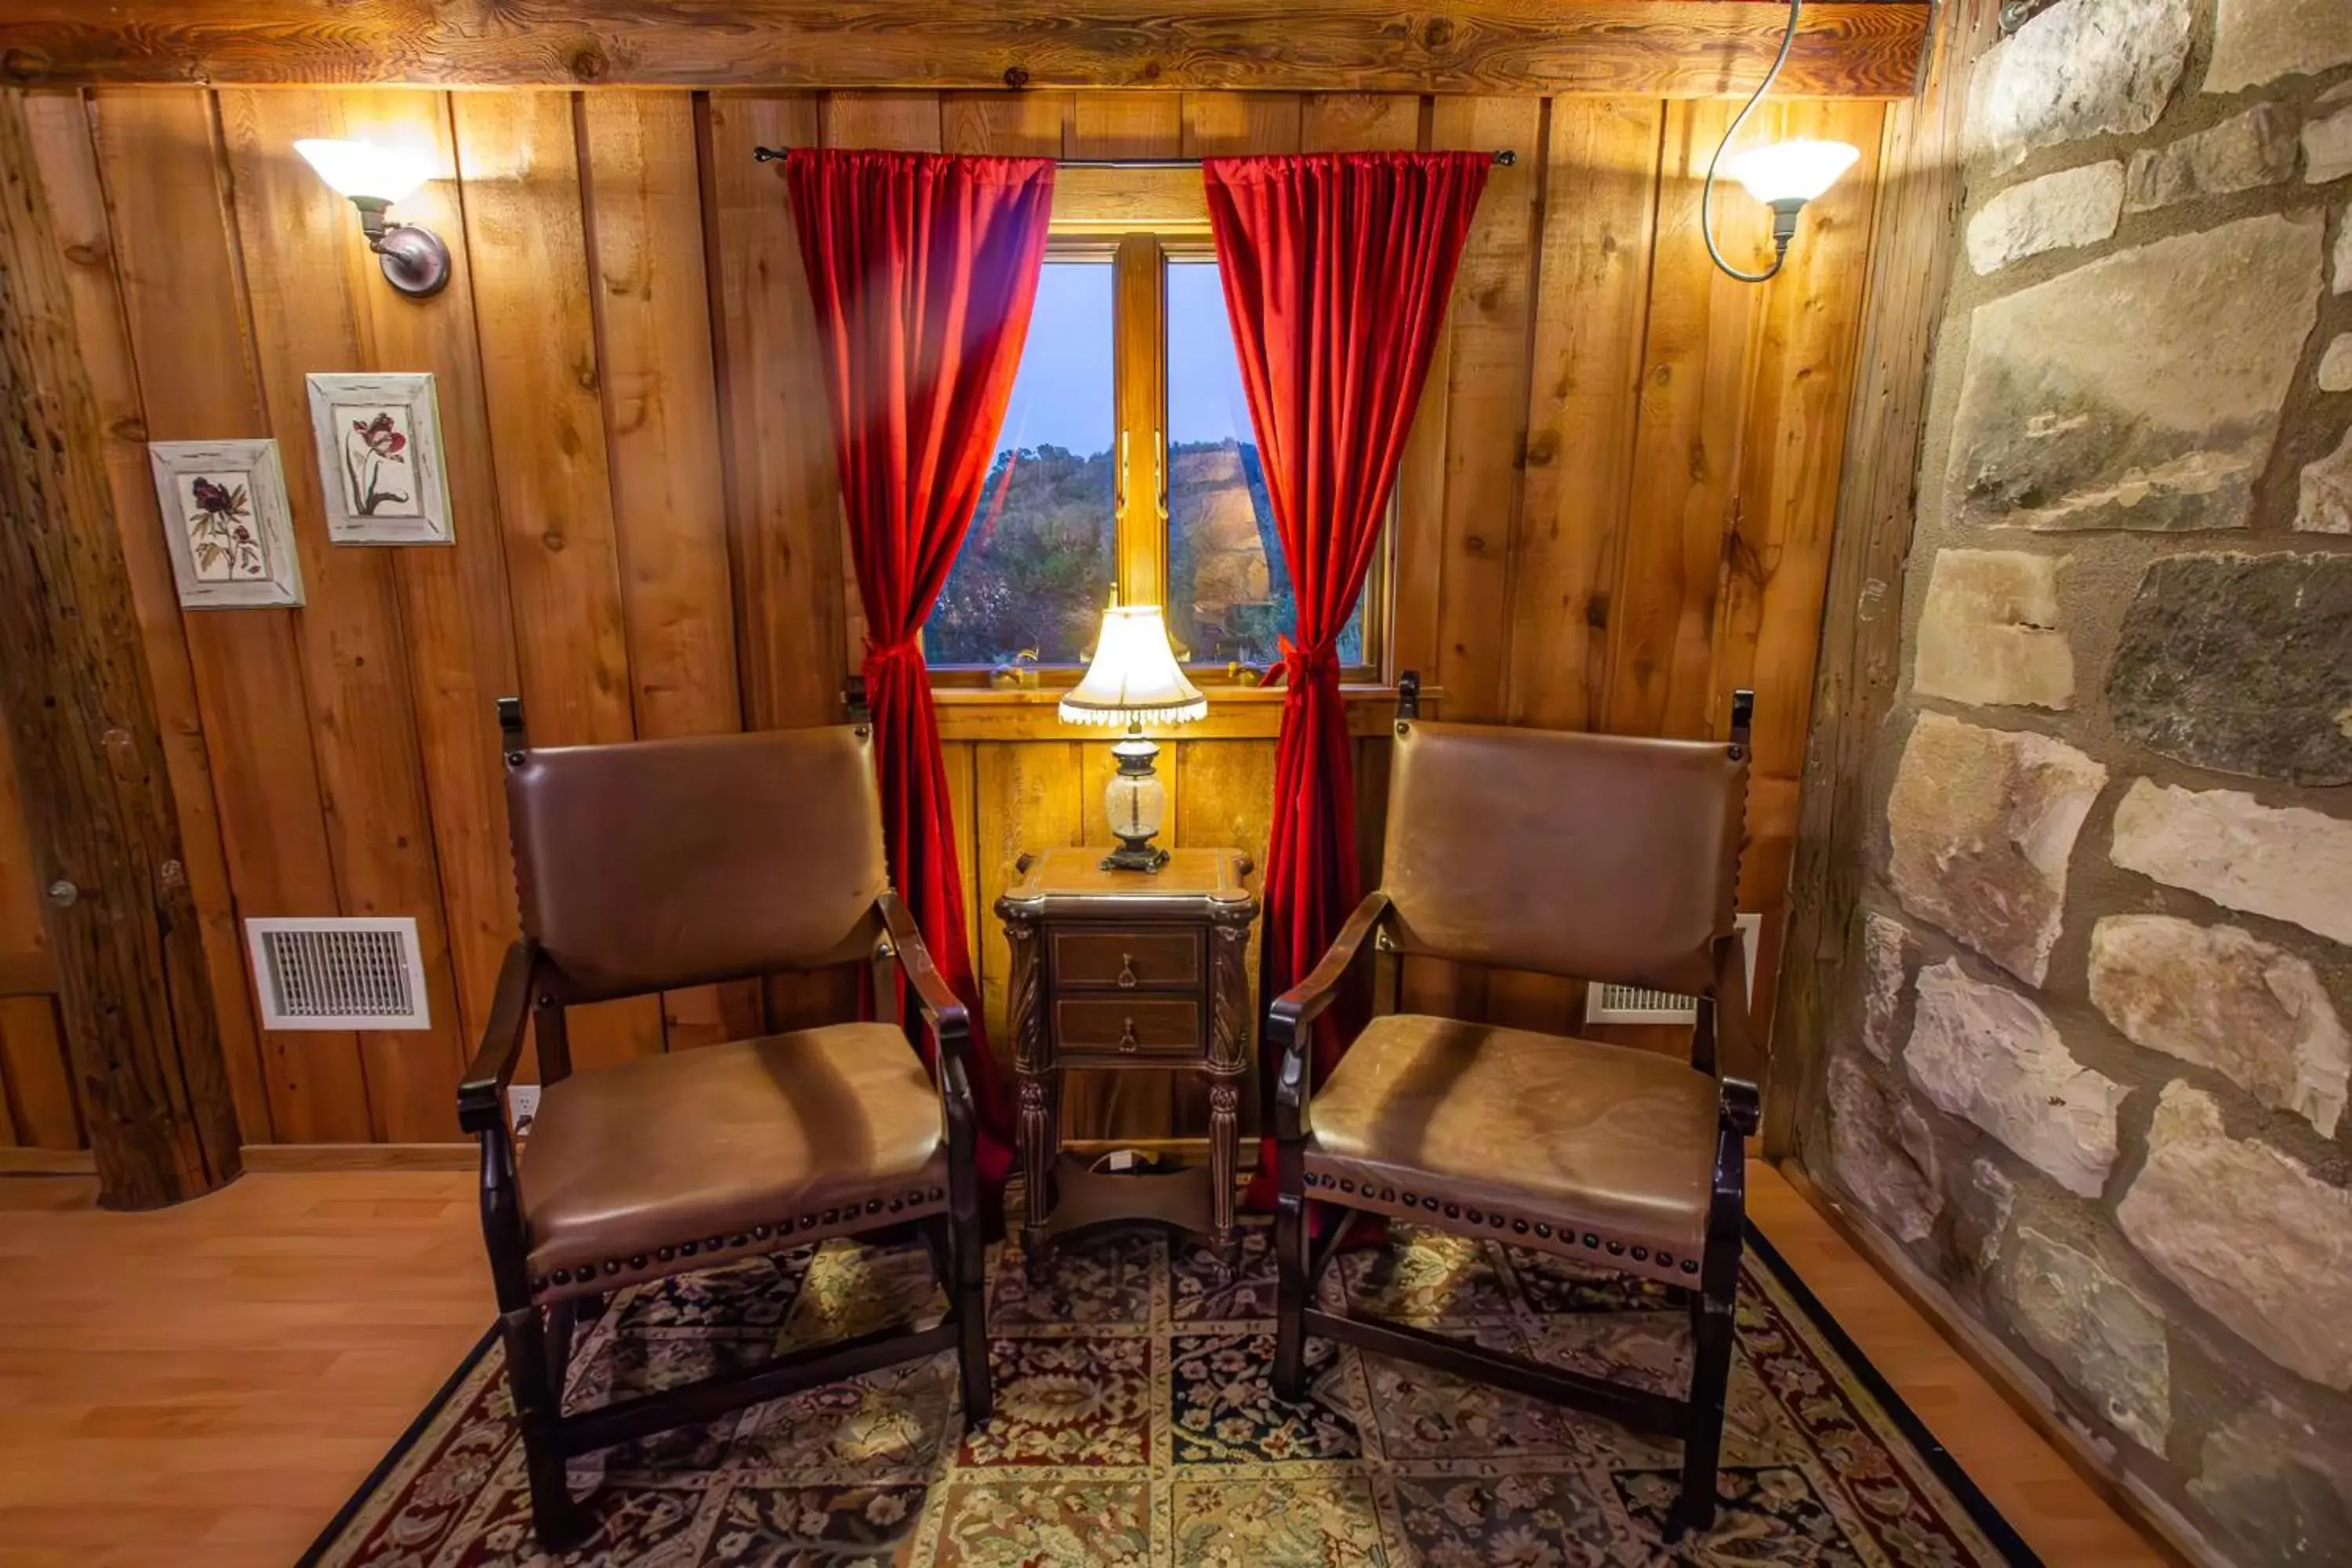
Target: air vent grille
pixel 361 973
pixel 1633 1005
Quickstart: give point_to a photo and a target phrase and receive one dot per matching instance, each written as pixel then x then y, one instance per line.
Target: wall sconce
pixel 415 261
pixel 1783 175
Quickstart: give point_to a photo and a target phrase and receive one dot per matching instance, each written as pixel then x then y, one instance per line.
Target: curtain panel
pixel 1337 270
pixel 923 268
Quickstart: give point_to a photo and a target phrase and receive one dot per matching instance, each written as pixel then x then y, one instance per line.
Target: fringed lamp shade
pixel 1134 680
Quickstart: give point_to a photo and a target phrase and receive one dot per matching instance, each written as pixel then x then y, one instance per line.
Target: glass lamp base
pixel 1133 803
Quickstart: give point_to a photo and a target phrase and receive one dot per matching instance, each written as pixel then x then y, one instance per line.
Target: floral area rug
pixel 1135 1427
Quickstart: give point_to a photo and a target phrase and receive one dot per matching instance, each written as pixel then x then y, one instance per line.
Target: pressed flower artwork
pixel 226 520
pixel 219 512
pixel 379 472
pixel 379 477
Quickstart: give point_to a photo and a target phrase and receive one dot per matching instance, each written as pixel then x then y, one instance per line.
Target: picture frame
pixel 226 524
pixel 381 473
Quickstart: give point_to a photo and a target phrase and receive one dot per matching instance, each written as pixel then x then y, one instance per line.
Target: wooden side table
pixel 1130 971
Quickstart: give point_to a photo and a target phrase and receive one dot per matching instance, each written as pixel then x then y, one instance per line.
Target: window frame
pixel 1141 522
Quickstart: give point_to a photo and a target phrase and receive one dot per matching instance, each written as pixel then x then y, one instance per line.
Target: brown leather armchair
pixel 663 864
pixel 1591 856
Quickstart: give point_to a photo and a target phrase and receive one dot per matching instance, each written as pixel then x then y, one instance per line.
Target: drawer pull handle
pixel 1126 980
pixel 1126 1040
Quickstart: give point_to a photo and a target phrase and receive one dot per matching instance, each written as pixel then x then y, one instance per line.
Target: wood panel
pixel 455 608
pixel 1697 362
pixel 37 1106
pixel 1601 162
pixel 652 300
pixel 1659 48
pixel 174 244
pixel 518 159
pixel 295 239
pixel 783 499
pixel 1776 555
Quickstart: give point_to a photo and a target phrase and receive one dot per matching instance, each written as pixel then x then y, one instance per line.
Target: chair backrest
pixel 1596 857
pixel 652 863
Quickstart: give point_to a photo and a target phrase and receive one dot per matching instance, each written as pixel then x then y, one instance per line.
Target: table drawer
pixel 1094 958
pixel 1127 1026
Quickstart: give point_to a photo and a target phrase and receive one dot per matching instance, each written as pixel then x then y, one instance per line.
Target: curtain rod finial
pixel 1505 158
pixel 766 154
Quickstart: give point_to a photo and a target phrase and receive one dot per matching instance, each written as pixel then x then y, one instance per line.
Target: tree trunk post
pixel 143 1036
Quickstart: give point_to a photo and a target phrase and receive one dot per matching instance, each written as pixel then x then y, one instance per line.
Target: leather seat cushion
pixel 623 1161
pixel 1568 1131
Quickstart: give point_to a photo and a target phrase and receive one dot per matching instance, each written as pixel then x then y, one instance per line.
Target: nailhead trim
pixel 639 1262
pixel 1520 1226
pixel 1641 1254
pixel 1690 1266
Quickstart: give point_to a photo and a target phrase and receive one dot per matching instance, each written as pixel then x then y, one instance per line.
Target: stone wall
pixel 2090 1068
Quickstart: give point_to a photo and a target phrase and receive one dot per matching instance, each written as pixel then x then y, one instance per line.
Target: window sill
pixel 1235 713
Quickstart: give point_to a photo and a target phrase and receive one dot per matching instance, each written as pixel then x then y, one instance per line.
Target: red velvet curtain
pixel 1336 271
pixel 923 268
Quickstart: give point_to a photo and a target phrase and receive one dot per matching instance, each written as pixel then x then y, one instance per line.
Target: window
pixel 1039 560
pixel 1127 461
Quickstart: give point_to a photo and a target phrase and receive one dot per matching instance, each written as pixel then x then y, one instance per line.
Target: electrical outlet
pixel 522 1107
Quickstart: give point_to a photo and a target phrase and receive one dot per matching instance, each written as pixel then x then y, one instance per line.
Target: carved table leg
pixel 1036 1136
pixel 1228 1059
pixel 1224 1156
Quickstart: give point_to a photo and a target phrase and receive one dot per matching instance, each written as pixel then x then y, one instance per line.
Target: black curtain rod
pixel 1505 158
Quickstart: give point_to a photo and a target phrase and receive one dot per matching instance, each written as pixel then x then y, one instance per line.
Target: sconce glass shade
pixel 1791 170
pixel 363 169
pixel 1134 677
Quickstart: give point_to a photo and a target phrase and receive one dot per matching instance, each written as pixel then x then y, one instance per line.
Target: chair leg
pixel 1291 1244
pixel 967 1251
pixel 562 1323
pixel 559 1522
pixel 1711 1338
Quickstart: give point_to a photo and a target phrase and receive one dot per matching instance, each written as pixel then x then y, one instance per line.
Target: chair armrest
pixel 1738 1107
pixel 950 1020
pixel 1287 1019
pixel 482 1093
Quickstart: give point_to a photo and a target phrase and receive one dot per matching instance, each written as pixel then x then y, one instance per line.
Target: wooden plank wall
pixel 1615 508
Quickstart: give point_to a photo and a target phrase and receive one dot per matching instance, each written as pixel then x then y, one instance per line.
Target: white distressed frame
pixel 414 390
pixel 273 521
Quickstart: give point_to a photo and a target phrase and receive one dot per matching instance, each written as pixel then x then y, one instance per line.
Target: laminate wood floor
pixel 206 1384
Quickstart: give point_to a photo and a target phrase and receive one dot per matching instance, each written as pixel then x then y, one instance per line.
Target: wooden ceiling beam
pixel 1671 49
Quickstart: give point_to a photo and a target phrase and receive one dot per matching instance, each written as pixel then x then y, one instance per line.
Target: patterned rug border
pixel 399 1450
pixel 1941 1463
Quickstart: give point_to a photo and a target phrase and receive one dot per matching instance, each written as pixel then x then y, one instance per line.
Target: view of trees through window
pixel 1041 558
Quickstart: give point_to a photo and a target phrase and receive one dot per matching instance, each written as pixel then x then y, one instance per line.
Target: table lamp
pixel 1134 680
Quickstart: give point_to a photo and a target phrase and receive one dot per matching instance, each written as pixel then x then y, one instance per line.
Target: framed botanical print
pixel 379 440
pixel 226 524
